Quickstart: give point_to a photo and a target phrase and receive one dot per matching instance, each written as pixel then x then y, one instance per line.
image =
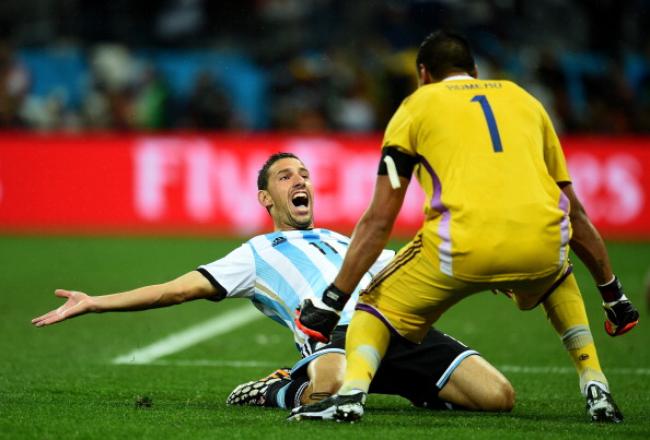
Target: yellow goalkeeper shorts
pixel 411 292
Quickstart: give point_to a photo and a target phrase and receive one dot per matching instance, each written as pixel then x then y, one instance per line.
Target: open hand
pixel 78 303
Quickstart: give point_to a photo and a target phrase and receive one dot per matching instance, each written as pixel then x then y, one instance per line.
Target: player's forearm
pixel 143 298
pixel 372 232
pixel 590 248
pixel 369 239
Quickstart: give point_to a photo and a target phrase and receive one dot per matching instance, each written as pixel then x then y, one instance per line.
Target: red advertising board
pixel 206 184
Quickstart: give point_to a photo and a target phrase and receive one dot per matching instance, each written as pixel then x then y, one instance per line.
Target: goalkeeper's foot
pixel 600 405
pixel 622 317
pixel 255 392
pixel 342 408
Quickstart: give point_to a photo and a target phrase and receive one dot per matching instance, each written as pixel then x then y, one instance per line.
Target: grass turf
pixel 58 382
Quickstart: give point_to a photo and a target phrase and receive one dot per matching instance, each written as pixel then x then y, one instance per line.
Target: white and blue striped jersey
pixel 278 271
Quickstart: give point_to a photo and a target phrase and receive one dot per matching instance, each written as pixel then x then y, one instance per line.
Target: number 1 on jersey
pixel 491 122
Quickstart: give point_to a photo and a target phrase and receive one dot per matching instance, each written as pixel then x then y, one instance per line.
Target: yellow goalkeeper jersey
pixel 489 163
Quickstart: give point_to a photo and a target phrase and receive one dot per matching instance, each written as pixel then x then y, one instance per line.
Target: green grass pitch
pixel 59 382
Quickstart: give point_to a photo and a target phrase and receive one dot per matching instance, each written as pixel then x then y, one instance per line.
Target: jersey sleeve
pixel 383 259
pixel 399 131
pixel 553 154
pixel 232 275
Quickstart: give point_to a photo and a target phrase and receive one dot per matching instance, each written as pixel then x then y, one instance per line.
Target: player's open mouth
pixel 300 200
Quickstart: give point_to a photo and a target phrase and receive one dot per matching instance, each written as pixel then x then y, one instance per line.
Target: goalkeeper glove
pixel 621 315
pixel 317 318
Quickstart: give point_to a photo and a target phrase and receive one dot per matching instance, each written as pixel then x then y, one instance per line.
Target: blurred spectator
pixel 553 94
pixel 208 106
pixel 114 76
pixel 642 107
pixel 352 111
pixel 151 106
pixel 49 113
pixel 609 102
pixel 14 85
pixel 309 120
pixel 180 19
pixel 300 89
pixel 316 65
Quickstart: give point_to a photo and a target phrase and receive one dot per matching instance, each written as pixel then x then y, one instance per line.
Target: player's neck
pixel 458 77
pixel 290 228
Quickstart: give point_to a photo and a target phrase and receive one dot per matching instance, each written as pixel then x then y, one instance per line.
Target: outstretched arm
pixel 187 287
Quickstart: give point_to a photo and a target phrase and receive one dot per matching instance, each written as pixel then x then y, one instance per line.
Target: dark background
pixel 307 65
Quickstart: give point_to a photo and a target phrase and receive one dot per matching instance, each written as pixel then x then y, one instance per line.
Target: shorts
pixel 411 293
pixel 416 372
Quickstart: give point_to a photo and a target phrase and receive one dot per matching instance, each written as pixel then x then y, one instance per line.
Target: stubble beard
pixel 300 224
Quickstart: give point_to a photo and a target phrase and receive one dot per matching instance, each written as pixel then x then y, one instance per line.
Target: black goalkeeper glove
pixel 317 318
pixel 621 315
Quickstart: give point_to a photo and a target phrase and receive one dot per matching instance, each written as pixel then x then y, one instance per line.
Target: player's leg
pixel 324 368
pixel 325 377
pixel 311 379
pixel 442 373
pixel 477 385
pixel 321 378
pixel 565 310
pixel 264 391
pixel 366 342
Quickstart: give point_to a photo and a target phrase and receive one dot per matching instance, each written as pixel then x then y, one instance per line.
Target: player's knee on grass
pixel 496 394
pixel 476 385
pixel 501 398
pixel 326 377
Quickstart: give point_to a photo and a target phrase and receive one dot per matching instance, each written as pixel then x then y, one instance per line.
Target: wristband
pixel 612 291
pixel 335 297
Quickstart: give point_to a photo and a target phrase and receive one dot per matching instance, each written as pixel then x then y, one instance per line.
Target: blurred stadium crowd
pixel 307 65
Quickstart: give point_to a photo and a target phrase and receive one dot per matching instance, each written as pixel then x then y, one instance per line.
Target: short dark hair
pixel 263 174
pixel 445 52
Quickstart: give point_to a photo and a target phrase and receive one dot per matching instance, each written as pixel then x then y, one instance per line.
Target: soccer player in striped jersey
pixel 279 270
pixel 500 214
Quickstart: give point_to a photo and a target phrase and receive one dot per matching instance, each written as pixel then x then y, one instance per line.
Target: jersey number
pixel 491 122
pixel 323 247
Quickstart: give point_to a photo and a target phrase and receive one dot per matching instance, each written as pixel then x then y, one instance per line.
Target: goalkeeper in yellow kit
pixel 500 214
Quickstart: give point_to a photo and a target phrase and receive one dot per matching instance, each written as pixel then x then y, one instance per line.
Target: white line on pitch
pixel 522 369
pixel 213 363
pixel 525 369
pixel 175 342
